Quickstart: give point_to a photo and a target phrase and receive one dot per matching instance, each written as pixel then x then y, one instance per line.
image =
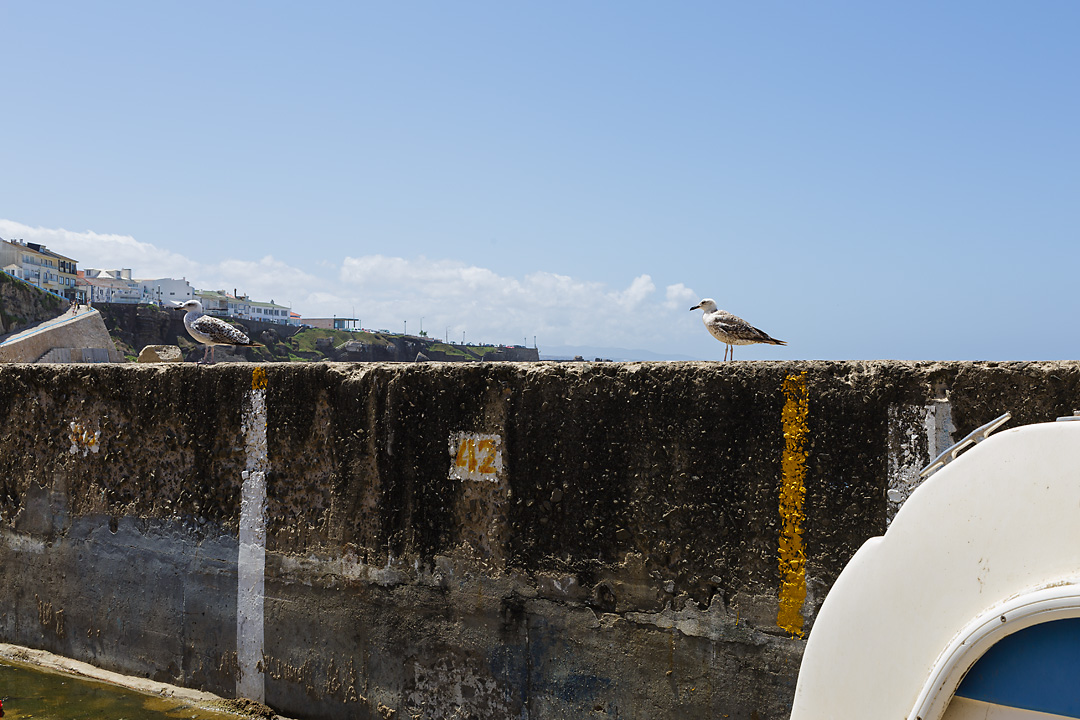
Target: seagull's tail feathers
pixel 760 336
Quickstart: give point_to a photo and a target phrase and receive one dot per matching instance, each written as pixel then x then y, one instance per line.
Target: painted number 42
pixel 475 456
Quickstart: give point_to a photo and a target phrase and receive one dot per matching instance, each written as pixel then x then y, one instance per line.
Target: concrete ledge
pixel 189 699
pixel 492 539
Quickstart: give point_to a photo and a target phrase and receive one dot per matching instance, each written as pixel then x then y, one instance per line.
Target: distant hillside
pixel 350 346
pixel 568 352
pixel 133 327
pixel 22 304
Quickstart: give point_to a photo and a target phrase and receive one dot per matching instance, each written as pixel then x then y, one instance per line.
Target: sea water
pixel 30 692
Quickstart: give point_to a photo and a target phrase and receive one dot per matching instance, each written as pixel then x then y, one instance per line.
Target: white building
pixel 214 302
pixel 219 302
pixel 109 286
pixel 165 291
pixel 267 312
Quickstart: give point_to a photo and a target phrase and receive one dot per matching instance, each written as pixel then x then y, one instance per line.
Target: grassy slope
pixel 305 339
pixel 22 304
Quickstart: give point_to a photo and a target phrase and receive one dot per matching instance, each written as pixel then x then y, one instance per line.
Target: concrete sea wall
pixel 488 540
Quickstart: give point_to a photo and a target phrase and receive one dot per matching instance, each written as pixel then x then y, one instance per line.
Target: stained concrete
pixel 489 540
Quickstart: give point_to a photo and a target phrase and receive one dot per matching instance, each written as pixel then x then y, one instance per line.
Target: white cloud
pixel 107 250
pixel 640 289
pixel 443 296
pixel 679 295
pixel 451 294
pixel 266 278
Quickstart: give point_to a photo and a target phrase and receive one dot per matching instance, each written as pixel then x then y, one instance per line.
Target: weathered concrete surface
pixel 627 555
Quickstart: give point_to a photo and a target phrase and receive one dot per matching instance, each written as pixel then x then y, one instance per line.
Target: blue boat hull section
pixel 1037 668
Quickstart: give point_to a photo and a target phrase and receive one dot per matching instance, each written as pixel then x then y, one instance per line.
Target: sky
pixel 862 180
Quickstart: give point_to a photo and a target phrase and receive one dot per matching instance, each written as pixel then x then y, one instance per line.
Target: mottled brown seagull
pixel 212 331
pixel 731 330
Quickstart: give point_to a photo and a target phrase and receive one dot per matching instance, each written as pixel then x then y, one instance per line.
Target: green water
pixel 29 692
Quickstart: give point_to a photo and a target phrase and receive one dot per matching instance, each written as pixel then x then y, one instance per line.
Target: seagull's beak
pixel 696 307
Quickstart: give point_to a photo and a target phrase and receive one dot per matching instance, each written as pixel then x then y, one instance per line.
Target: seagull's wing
pixel 727 323
pixel 219 332
pixel 737 327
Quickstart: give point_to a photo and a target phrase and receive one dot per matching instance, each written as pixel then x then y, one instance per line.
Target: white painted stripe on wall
pixel 251 563
pixel 909 426
pixel 939 427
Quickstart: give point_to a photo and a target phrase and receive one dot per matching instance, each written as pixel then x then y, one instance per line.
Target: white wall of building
pixel 166 290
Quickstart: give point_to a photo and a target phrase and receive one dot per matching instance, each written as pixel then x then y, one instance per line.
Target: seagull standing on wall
pixel 212 331
pixel 731 330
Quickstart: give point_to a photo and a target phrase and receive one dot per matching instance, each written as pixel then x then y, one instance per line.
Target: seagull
pixel 731 330
pixel 212 331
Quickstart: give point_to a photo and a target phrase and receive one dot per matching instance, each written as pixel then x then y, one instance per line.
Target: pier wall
pixel 486 540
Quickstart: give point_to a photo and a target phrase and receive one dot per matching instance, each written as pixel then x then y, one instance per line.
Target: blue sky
pixel 863 180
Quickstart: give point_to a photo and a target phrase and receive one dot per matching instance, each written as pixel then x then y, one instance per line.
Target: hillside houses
pixel 118 286
pixel 106 286
pixel 41 267
pixel 58 274
pixel 242 307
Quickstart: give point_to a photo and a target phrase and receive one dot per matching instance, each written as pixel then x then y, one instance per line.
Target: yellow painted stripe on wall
pixel 792 498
